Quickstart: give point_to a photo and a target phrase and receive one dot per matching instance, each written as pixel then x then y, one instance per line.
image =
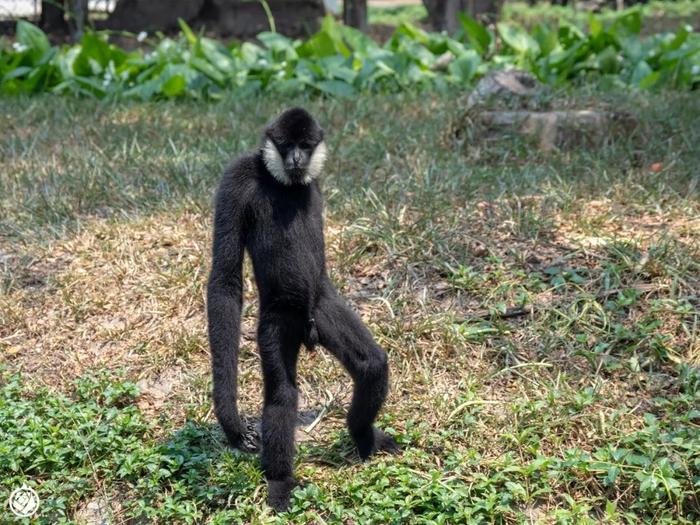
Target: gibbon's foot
pixel 378 440
pixel 279 492
pixel 384 442
pixel 246 441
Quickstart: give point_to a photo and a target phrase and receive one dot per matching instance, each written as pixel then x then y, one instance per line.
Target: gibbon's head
pixel 293 148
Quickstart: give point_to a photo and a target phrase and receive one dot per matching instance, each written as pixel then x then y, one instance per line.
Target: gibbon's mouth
pixel 296 173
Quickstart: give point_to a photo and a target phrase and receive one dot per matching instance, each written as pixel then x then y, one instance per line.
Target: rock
pixel 505 88
pixel 443 61
pixel 153 394
pixel 560 129
pixel 98 511
pixel 512 102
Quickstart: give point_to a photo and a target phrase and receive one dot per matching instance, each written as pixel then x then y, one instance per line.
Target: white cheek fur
pixel 318 158
pixel 275 164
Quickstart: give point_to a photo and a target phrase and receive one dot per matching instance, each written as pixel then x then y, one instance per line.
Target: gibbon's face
pixel 293 150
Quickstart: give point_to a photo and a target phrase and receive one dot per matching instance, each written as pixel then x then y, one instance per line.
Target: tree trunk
pixel 77 17
pixel 443 14
pixel 355 14
pixel 51 19
pixel 242 19
pixel 452 9
pixel 151 15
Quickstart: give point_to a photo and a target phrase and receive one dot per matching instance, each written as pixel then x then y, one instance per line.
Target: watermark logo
pixel 23 501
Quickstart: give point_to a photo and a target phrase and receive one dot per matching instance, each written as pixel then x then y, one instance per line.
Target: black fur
pixel 281 228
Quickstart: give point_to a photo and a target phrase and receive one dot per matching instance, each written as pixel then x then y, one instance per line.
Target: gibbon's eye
pixel 305 145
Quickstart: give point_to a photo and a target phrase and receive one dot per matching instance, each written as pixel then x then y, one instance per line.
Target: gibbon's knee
pixel 285 396
pixel 376 366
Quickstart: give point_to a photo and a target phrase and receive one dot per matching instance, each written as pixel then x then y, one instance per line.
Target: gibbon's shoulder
pixel 241 176
pixel 247 166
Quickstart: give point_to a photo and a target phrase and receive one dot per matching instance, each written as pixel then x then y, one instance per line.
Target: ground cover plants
pixel 540 312
pixel 340 61
pixel 657 13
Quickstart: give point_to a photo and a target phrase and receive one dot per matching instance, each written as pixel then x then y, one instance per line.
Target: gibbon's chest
pixel 287 221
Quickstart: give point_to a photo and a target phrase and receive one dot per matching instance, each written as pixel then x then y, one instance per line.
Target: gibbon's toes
pixel 279 493
pixel 379 442
pixel 385 443
pixel 250 442
pixel 245 440
pixel 250 439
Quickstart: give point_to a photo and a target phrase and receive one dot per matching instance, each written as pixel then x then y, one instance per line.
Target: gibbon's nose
pixel 297 157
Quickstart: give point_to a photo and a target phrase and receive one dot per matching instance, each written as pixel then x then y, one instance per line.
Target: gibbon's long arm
pixel 224 300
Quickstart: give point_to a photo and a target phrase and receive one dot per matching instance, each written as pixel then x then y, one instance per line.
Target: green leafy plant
pixel 340 61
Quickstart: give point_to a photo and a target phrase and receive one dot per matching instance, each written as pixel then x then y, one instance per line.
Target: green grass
pixel 394 16
pixel 583 410
pixel 659 15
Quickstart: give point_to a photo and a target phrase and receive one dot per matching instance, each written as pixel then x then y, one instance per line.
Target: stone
pixel 512 87
pixel 560 129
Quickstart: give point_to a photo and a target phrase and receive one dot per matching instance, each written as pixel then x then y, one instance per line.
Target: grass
pixel 658 15
pixel 396 15
pixel 582 410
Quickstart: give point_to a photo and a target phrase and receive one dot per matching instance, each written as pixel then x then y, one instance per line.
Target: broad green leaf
pixel 479 37
pixel 465 66
pixel 640 72
pixel 357 40
pixel 681 37
pixel 546 38
pixel 187 31
pixel 34 38
pixel 217 54
pixel 412 32
pixel 518 39
pixel 174 86
pixel 17 72
pixel 336 67
pixel 276 41
pixel 598 37
pixel 332 29
pixel 143 91
pixel 209 70
pixel 595 26
pixel 337 88
pixel 609 61
pixel 650 80
pixel 319 45
pixel 629 23
pixel 570 35
pixel 250 52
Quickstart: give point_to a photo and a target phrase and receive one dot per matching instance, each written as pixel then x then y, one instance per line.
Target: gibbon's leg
pixel 279 338
pixel 342 332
